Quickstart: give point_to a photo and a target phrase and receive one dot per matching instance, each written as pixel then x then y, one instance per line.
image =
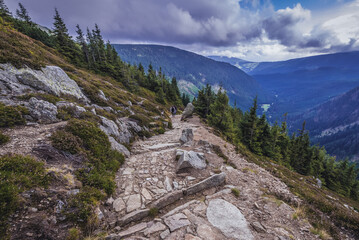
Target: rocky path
pixel 244 207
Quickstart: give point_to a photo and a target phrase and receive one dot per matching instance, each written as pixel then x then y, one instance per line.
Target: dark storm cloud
pixel 212 23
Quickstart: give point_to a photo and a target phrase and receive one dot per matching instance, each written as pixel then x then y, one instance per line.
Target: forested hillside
pixel 334 125
pixel 194 71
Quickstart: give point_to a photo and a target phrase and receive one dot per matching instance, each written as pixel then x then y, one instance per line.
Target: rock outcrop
pixel 227 218
pixel 42 111
pixel 188 111
pixel 187 136
pixel 190 159
pixel 50 79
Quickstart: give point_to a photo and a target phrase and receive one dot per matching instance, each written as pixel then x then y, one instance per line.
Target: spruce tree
pixel 22 14
pixel 4 10
pixel 220 115
pixel 60 30
pixel 81 40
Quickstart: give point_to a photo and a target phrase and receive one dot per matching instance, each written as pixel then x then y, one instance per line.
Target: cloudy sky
pixel 256 30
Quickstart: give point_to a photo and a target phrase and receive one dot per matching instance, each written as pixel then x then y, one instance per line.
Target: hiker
pixel 173 110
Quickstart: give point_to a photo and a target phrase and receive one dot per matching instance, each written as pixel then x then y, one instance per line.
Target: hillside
pixel 302 83
pixel 194 71
pixel 244 65
pixel 334 124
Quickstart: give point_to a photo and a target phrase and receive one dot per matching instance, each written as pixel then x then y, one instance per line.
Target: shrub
pixel 12 115
pixel 153 212
pixel 141 119
pixel 74 234
pixel 3 138
pixel 17 173
pixel 235 192
pixel 66 141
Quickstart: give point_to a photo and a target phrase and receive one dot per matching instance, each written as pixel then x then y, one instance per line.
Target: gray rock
pixel 168 184
pixel 212 181
pixel 167 199
pixel 227 218
pixel 258 227
pixel 127 130
pixel 77 109
pixel 133 202
pixel 102 95
pixel 177 221
pixel 165 234
pixel 109 127
pixel 118 204
pixel 155 228
pixel 191 159
pixel 127 232
pixel 50 79
pixel 134 216
pixel 119 147
pixel 42 111
pixel 319 183
pixel 187 136
pixel 188 111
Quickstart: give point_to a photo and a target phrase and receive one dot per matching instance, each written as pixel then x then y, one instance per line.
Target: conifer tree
pixel 220 116
pixel 22 14
pixel 4 10
pixel 81 40
pixel 60 30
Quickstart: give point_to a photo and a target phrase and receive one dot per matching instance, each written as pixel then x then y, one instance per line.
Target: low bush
pixel 17 174
pixel 66 141
pixel 12 115
pixel 3 139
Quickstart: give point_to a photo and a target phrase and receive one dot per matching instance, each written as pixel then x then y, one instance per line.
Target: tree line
pixel 89 50
pixel 273 141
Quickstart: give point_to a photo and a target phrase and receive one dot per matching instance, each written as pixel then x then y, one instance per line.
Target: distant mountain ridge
pixel 300 84
pixel 334 124
pixel 194 71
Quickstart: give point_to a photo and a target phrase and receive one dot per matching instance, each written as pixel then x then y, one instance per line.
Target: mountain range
pixel 300 84
pixel 194 71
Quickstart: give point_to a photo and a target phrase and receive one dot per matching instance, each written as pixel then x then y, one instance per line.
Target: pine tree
pixel 220 115
pixel 249 128
pixel 22 14
pixel 81 40
pixel 4 10
pixel 60 30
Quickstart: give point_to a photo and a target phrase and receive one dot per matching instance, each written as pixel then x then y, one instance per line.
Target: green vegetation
pixel 274 142
pixel 290 158
pixel 17 174
pixel 235 192
pixel 3 138
pixel 12 115
pixel 97 177
pixel 153 212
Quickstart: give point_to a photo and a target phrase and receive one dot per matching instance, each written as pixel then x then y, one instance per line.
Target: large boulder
pixel 50 79
pixel 42 111
pixel 9 85
pixel 227 218
pixel 109 127
pixel 119 147
pixel 190 159
pixel 188 111
pixel 187 136
pixel 127 130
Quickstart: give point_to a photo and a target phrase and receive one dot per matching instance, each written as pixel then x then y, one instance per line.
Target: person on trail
pixel 173 110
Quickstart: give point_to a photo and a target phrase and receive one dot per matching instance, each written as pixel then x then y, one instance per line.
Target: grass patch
pixel 98 175
pixel 42 96
pixel 3 138
pixel 141 119
pixel 153 212
pixel 17 174
pixel 299 213
pixel 246 169
pixel 321 233
pixel 235 192
pixel 12 115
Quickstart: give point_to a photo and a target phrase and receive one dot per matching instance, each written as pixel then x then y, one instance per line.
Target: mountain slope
pixel 334 124
pixel 302 83
pixel 194 71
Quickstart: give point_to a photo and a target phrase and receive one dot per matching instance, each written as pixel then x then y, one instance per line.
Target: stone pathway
pixel 149 175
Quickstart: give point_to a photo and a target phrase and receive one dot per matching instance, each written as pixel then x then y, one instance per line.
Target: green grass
pixel 12 115
pixel 3 138
pixel 17 174
pixel 235 192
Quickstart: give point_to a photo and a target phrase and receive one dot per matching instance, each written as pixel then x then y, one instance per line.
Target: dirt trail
pixel 150 173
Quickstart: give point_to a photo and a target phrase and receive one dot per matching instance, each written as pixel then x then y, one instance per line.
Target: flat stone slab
pixel 163 145
pixel 127 232
pixel 212 181
pixel 134 216
pixel 133 202
pixel 227 218
pixel 177 221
